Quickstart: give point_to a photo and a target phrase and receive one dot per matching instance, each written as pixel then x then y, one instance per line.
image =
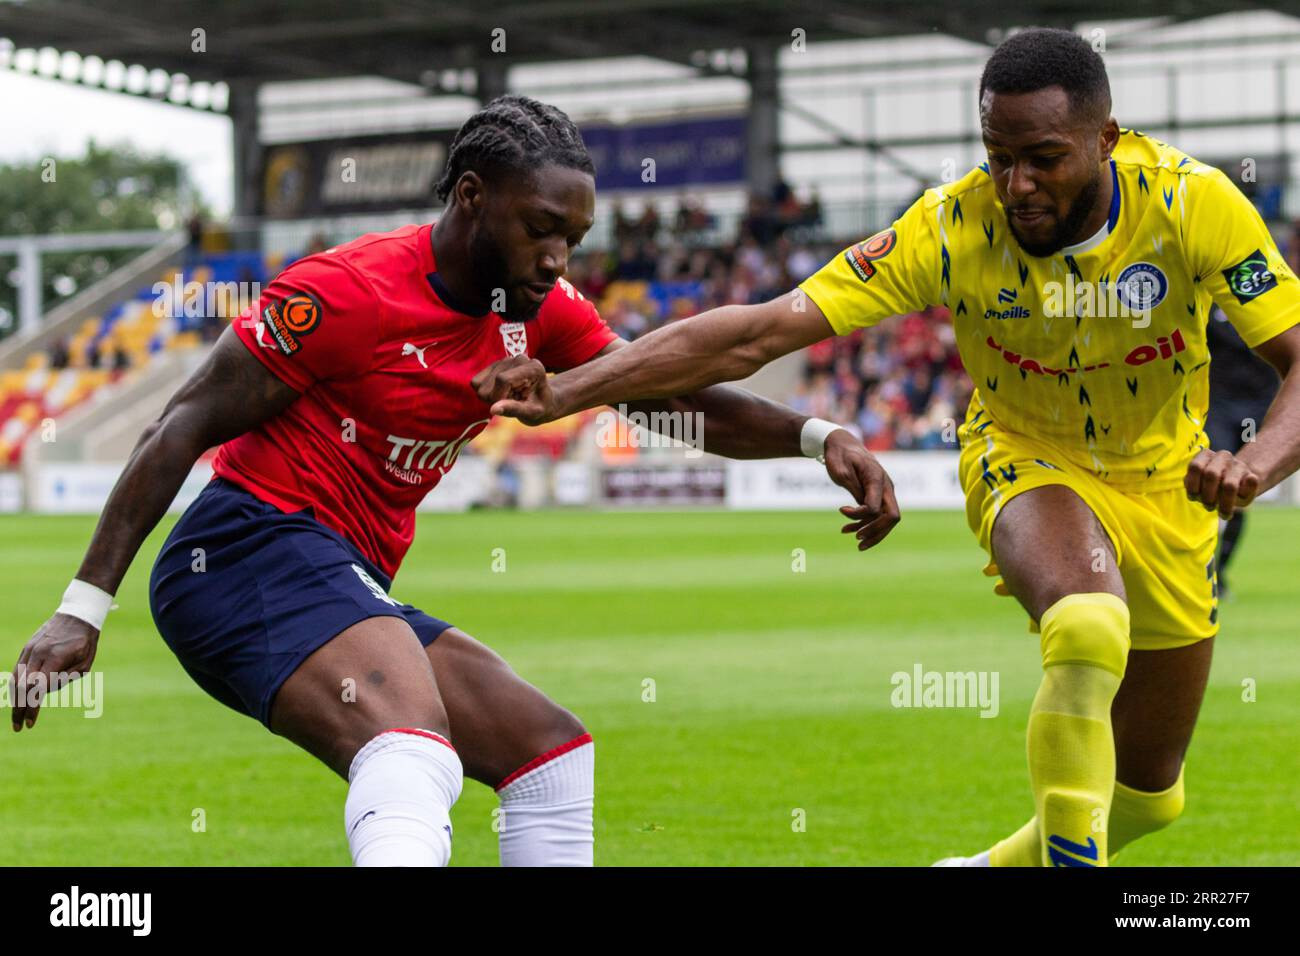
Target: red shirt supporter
pixel 384 361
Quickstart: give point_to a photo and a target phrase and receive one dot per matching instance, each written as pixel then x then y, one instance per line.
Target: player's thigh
pixel 1048 543
pixel 1155 712
pixel 371 677
pixel 498 720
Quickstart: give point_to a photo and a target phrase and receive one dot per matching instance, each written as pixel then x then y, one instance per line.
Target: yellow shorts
pixel 1165 545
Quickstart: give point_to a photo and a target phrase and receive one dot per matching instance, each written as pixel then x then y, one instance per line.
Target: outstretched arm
pixel 736 423
pixel 732 422
pixel 721 345
pixel 230 393
pixel 672 368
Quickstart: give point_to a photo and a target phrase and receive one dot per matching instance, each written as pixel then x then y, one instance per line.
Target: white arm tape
pixel 87 603
pixel 812 439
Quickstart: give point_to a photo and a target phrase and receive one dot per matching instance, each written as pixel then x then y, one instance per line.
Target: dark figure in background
pixel 1242 386
pixel 196 227
pixel 59 356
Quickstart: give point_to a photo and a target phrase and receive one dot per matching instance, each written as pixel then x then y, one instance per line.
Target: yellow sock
pixel 1022 848
pixel 1071 748
pixel 1133 814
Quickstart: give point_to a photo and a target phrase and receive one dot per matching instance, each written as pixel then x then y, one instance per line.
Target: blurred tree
pixel 108 188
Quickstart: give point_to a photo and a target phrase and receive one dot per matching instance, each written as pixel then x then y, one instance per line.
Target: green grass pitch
pixel 771 696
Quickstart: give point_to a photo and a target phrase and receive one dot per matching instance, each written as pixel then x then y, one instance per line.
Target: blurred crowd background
pixel 896 384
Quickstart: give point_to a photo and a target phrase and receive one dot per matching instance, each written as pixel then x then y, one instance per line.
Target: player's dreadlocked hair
pixel 513 134
pixel 1042 57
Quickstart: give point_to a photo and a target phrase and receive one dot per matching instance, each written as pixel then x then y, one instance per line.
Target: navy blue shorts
pixel 273 588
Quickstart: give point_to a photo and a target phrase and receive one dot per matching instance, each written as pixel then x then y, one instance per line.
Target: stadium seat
pixel 37 391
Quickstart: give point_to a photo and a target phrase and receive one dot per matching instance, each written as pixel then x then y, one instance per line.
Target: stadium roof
pixel 412 40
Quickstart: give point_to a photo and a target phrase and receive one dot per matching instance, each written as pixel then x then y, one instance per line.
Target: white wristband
pixel 86 603
pixel 812 439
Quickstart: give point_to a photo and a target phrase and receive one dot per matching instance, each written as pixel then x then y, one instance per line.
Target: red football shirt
pixel 383 361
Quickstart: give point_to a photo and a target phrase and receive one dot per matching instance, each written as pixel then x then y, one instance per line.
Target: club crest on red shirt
pixel 515 335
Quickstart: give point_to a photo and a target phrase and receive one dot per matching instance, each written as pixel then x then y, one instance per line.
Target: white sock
pixel 546 808
pixel 401 787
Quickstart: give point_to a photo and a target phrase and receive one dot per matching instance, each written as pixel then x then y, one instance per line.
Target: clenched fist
pixel 1220 480
pixel 517 387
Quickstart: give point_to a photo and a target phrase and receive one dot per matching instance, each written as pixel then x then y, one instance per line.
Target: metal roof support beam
pixel 763 139
pixel 244 115
pixel 491 76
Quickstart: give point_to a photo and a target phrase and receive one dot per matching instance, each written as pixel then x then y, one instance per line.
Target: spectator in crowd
pixel 759 223
pixel 900 384
pixel 647 227
pixel 59 356
pixel 691 220
pixel 635 264
pixel 196 227
pixel 812 214
pixel 623 229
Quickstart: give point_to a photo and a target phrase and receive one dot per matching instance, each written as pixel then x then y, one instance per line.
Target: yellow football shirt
pixel 1099 350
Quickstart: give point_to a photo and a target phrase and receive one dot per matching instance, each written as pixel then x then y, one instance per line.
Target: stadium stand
pixel 899 385
pixel 109 349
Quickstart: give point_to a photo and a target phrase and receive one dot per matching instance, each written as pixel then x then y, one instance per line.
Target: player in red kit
pixel 338 403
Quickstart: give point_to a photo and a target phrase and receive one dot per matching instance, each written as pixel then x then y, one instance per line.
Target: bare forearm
pixel 1275 453
pixel 228 394
pixel 158 466
pixel 678 359
pixel 731 422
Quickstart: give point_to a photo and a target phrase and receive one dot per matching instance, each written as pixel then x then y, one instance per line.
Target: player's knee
pixel 560 728
pixel 1090 629
pixel 347 741
pixel 553 733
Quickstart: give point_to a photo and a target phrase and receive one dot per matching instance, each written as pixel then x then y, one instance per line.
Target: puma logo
pixel 261 330
pixel 410 349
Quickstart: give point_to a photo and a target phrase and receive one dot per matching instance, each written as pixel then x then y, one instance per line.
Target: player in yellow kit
pixel 1079 264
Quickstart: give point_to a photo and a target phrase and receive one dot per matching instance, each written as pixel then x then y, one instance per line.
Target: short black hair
pixel 1040 57
pixel 513 134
